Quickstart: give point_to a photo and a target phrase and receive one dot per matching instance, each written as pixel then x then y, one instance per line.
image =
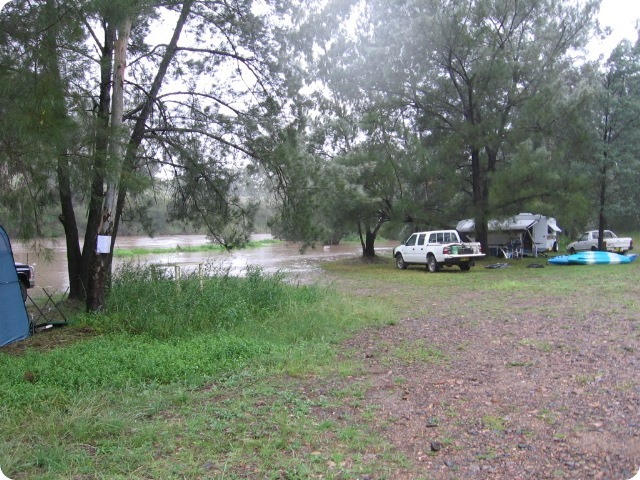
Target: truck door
pixel 416 253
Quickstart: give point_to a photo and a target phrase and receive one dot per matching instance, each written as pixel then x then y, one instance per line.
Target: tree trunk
pixel 478 183
pixel 139 127
pixel 68 220
pixel 99 163
pixel 369 251
pixel 368 241
pixel 100 269
pixel 602 204
pixel 101 265
pixel 51 71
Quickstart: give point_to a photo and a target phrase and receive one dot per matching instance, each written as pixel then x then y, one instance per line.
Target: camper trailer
pixel 525 233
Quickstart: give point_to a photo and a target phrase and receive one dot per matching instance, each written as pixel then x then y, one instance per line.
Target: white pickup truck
pixel 437 249
pixel 611 242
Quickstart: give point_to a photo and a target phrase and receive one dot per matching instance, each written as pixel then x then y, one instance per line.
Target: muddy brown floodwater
pixel 52 274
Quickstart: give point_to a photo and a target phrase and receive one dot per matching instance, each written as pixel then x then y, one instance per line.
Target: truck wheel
pixel 555 247
pixel 465 267
pixel 400 262
pixel 432 265
pixel 572 250
pixel 23 291
pixel 593 249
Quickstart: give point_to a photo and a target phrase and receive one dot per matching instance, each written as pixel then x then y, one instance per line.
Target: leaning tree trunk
pixel 68 220
pixel 139 128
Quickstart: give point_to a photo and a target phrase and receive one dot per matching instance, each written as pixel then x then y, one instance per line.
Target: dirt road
pixel 516 387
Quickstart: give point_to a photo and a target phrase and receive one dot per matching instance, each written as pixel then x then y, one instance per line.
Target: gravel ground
pixel 508 391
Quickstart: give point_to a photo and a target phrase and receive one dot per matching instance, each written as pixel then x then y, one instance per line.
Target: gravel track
pixel 507 391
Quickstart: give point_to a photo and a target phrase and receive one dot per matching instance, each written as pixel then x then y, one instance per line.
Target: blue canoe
pixel 559 260
pixel 591 258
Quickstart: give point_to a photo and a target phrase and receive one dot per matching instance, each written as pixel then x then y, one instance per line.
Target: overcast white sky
pixel 622 16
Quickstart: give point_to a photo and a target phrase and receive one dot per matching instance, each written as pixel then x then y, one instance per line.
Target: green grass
pixel 418 351
pixel 180 381
pixel 134 252
pixel 496 424
pixel 536 344
pixel 507 290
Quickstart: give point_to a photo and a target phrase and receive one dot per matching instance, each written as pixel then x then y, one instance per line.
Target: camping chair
pixel 49 313
pixel 516 250
pixel 512 250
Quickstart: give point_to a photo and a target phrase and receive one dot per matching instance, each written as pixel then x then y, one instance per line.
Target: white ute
pixel 436 249
pixel 612 243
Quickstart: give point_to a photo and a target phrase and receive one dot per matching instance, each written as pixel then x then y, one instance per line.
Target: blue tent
pixel 14 321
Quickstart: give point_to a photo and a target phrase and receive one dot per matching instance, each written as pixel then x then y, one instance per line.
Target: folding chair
pixel 49 312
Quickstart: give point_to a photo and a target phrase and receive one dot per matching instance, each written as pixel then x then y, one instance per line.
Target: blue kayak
pixel 591 258
pixel 559 260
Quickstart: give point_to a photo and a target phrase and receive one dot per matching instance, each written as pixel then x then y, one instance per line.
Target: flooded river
pixel 52 274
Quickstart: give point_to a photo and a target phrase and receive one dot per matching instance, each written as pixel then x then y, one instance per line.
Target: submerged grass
pixel 191 379
pixel 209 247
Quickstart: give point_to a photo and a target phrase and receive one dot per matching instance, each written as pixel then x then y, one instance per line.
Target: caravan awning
pixel 466 226
pixel 511 224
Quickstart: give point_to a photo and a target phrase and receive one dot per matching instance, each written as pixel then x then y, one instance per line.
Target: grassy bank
pixel 179 380
pixel 209 247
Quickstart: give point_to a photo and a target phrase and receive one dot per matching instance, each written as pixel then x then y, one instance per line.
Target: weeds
pixel 418 351
pixel 520 363
pixel 541 345
pixel 547 416
pixel 496 424
pixel 187 376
